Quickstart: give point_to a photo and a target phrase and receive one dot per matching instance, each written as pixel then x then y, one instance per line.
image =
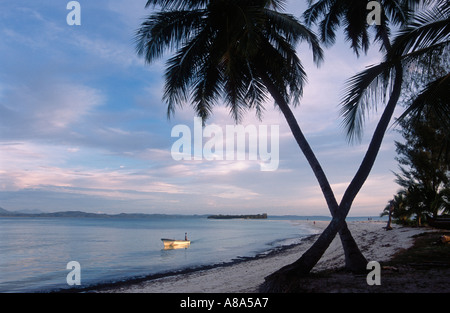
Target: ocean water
pixel 34 252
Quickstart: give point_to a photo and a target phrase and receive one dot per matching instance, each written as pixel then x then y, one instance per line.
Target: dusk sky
pixel 83 125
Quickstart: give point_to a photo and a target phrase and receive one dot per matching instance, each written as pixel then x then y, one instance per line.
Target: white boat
pixel 175 244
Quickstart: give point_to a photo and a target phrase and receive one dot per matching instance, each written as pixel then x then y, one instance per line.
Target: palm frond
pixel 286 71
pixel 166 31
pixel 362 93
pixel 329 15
pixel 177 4
pixel 329 25
pixel 314 11
pixel 278 5
pixel 429 28
pixel 399 12
pixel 207 90
pixel 182 69
pixel 286 29
pixel 433 99
pixel 356 30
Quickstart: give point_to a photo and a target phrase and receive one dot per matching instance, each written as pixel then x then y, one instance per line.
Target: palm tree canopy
pixel 222 48
pixel 425 36
pixel 428 29
pixel 423 44
pixel 352 15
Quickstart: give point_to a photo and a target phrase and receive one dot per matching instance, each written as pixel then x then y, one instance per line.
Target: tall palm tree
pixel 239 51
pixel 331 14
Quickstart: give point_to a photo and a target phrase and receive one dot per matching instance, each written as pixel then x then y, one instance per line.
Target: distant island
pixel 80 214
pixel 228 217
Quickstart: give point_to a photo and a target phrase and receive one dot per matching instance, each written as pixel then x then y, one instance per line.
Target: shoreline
pixel 247 274
pixel 132 281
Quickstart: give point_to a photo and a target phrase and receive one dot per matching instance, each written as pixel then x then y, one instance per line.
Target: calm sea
pixel 34 252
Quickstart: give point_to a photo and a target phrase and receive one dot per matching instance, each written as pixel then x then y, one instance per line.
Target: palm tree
pixel 353 15
pixel 390 208
pixel 237 50
pixel 422 33
pixel 421 44
pixel 397 209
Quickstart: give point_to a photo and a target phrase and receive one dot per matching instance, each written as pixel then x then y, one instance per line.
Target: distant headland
pixel 228 217
pixel 80 214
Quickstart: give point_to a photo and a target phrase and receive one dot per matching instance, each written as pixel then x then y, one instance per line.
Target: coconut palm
pixel 397 209
pixel 426 32
pixel 330 15
pixel 238 51
pixel 420 45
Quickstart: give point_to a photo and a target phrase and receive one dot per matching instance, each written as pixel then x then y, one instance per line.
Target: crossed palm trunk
pixel 285 279
pixel 354 259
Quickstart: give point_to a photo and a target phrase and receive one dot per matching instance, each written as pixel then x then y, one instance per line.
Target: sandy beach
pixel 375 242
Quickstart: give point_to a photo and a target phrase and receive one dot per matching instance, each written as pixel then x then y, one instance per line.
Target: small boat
pixel 175 244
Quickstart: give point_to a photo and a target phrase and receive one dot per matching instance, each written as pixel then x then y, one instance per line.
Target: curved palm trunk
pixel 354 259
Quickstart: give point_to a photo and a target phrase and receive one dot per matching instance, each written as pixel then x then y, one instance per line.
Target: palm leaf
pixel 433 99
pixel 177 4
pixel 428 29
pixel 315 10
pixel 293 31
pixel 166 31
pixel 362 93
pixel 182 70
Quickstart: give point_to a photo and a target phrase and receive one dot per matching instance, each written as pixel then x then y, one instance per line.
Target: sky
pixel 83 125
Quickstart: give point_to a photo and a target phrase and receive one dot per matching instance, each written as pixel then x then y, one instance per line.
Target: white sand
pixel 376 244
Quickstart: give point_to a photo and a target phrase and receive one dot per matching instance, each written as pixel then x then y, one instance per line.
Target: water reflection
pixel 176 247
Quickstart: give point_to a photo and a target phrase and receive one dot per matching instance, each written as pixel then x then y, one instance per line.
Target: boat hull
pixel 175 244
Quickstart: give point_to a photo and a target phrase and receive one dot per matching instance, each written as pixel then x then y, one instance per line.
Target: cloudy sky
pixel 83 126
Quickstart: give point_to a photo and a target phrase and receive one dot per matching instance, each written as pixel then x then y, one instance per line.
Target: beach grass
pixel 428 250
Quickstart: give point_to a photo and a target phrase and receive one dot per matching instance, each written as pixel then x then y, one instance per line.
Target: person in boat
pixel 185 236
